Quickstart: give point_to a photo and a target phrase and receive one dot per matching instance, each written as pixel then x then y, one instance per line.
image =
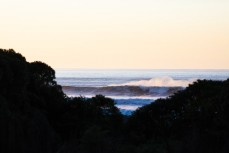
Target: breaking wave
pixel 159 82
pixel 123 91
pixel 134 94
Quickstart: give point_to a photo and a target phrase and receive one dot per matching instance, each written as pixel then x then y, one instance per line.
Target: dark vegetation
pixel 37 117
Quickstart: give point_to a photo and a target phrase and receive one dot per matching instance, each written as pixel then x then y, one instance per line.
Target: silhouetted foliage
pixel 192 118
pixel 37 117
pixel 24 128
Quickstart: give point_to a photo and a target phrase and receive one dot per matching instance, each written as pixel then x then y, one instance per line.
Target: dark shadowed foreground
pixel 37 117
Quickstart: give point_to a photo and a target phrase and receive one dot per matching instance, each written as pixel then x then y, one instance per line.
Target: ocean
pixel 131 89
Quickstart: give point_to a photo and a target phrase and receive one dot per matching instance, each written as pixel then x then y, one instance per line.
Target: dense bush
pixel 37 117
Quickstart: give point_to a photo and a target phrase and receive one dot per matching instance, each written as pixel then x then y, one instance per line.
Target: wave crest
pixel 159 82
pixel 128 91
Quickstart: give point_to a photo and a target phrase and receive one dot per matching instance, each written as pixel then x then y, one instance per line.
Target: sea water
pixel 131 89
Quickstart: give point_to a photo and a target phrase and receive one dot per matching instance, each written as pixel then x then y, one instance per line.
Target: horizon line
pixel 140 69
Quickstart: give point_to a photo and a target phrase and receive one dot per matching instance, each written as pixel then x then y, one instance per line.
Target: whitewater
pixel 131 89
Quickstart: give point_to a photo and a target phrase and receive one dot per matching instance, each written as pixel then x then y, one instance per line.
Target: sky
pixel 118 34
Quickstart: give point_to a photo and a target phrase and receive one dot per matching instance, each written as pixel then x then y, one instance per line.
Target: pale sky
pixel 108 34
